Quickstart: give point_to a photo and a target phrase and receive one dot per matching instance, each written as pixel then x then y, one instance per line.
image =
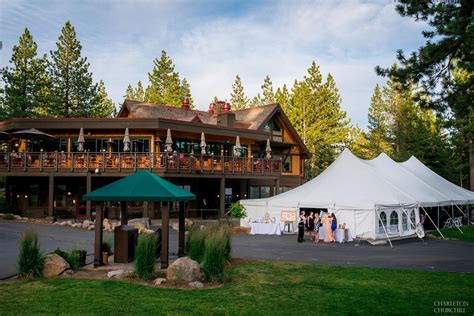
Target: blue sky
pixel 212 41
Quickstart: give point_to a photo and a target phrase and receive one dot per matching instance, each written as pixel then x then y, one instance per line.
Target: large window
pixel 275 128
pixel 257 192
pixel 404 221
pixel 139 145
pixel 394 221
pixel 413 219
pixel 382 222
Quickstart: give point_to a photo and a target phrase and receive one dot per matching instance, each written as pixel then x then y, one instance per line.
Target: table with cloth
pixel 265 229
pixel 342 235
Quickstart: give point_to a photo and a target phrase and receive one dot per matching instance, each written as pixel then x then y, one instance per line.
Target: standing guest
pixel 333 227
pixel 327 223
pixel 311 224
pixel 317 223
pixel 301 223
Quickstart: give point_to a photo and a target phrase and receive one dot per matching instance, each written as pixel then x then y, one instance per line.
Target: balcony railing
pixel 128 162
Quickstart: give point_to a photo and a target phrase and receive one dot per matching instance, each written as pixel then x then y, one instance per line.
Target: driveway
pixel 432 254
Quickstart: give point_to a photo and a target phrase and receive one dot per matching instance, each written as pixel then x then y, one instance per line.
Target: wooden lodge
pixel 48 176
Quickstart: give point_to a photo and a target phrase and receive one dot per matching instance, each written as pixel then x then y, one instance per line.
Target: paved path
pixel 433 254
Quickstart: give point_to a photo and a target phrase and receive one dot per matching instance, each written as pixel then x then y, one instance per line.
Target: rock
pixel 122 273
pixel 114 224
pixel 54 265
pixel 196 285
pixel 106 224
pixel 143 221
pixel 63 224
pixel 17 217
pixel 175 226
pixel 188 222
pixel 86 223
pixel 91 227
pixel 159 281
pixel 24 218
pixel 184 269
pixel 69 272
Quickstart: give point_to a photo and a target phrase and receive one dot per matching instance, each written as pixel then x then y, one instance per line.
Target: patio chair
pixel 448 223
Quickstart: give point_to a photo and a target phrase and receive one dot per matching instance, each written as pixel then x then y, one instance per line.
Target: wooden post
pixel 51 195
pixel 123 213
pixel 222 198
pixel 181 241
pixel 88 190
pixel 165 216
pixel 98 235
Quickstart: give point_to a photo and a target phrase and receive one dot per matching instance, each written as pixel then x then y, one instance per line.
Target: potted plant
pixel 236 211
pixel 106 251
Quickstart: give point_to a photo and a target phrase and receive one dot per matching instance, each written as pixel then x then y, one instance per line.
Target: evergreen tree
pixel 268 97
pixel 283 97
pixel 238 99
pixel 379 118
pixel 72 86
pixel 186 92
pixel 26 91
pixel 129 93
pixel 359 143
pixel 256 101
pixel 103 107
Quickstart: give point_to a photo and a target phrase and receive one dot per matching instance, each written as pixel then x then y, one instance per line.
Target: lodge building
pixel 47 176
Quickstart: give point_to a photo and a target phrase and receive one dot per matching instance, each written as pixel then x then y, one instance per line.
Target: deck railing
pixel 126 162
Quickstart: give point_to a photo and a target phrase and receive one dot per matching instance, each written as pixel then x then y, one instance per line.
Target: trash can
pixel 125 241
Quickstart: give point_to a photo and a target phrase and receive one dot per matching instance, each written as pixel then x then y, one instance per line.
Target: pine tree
pixel 129 93
pixel 359 143
pixel 72 86
pixel 165 85
pixel 186 92
pixel 26 92
pixel 238 99
pixel 282 97
pixel 268 97
pixel 256 101
pixel 379 119
pixel 103 107
pixel 139 92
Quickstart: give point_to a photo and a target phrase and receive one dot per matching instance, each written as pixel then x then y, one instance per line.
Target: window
pixel 394 221
pixel 287 164
pixel 412 219
pixel 257 192
pixel 275 128
pixel 382 222
pixel 404 221
pixel 283 189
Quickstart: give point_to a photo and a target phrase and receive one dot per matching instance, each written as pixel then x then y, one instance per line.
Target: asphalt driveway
pixel 432 254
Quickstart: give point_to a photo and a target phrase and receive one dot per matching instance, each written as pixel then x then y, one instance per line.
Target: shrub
pixel 30 260
pixel 237 210
pixel 145 256
pixel 8 216
pixel 71 258
pixel 195 244
pixel 106 247
pixel 214 257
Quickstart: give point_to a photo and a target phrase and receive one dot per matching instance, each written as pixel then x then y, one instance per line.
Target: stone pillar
pixel 88 190
pixel 98 235
pixel 165 224
pixel 51 195
pixel 181 242
pixel 222 198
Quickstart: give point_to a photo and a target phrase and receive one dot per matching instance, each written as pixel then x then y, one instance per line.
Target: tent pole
pixel 432 221
pixel 385 230
pixel 465 214
pixel 453 221
pixel 438 216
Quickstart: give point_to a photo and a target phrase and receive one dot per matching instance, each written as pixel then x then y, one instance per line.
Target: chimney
pixel 225 107
pixel 185 104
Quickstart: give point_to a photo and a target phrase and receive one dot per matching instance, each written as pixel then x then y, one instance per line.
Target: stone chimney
pixel 185 104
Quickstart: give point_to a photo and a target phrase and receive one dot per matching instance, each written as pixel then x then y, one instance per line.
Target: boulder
pixel 143 221
pixel 17 217
pixel 188 222
pixel 106 224
pixel 63 224
pixel 69 272
pixel 175 226
pixel 196 285
pixel 54 265
pixel 122 273
pixel 159 281
pixel 86 224
pixel 91 227
pixel 184 269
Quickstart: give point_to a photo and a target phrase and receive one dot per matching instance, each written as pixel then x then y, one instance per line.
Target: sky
pixel 211 42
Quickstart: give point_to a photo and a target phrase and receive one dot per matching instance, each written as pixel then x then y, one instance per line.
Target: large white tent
pixel 375 198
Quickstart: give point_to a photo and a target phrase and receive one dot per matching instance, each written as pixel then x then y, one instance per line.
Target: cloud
pixel 210 42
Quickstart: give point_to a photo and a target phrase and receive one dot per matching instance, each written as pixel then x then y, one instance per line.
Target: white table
pixel 339 235
pixel 265 229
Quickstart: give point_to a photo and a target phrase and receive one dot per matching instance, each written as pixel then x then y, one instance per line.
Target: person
pixel 333 226
pixel 301 224
pixel 327 228
pixel 310 225
pixel 317 223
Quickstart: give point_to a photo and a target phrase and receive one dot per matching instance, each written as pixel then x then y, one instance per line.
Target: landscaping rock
pixel 107 225
pixel 86 224
pixel 196 285
pixel 184 269
pixel 54 265
pixel 122 273
pixel 17 217
pixel 175 226
pixel 142 222
pixel 188 222
pixel 69 272
pixel 63 224
pixel 91 227
pixel 159 281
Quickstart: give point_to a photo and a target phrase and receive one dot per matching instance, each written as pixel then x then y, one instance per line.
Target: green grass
pixel 261 288
pixel 454 233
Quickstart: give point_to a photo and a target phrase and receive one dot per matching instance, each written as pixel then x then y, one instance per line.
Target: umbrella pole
pixel 98 236
pixel 181 230
pixel 164 236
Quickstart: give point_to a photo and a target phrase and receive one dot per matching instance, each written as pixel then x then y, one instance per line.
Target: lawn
pixel 454 233
pixel 262 288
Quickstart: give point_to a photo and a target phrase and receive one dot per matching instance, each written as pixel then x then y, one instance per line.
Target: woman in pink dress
pixel 327 228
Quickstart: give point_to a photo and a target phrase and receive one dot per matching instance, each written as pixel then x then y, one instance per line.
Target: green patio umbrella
pixel 140 186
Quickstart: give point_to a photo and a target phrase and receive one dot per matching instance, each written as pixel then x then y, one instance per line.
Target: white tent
pixel 374 198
